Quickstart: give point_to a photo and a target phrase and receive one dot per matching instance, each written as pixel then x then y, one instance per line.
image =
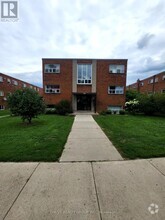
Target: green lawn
pixel 43 140
pixel 135 136
pixel 4 112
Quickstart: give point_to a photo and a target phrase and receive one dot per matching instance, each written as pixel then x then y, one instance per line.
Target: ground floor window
pixel 52 89
pixel 2 107
pixel 115 109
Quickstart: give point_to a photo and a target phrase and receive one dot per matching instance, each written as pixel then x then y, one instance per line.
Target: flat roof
pixel 80 59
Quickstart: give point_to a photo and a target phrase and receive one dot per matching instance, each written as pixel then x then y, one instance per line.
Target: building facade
pixel 150 85
pixel 9 84
pixel 89 84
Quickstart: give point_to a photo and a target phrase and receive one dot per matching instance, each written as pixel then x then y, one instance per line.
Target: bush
pixel 63 107
pixel 108 112
pixel 132 106
pixel 103 113
pixel 122 112
pixel 131 95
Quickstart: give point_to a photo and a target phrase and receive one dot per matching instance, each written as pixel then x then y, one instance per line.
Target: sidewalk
pixel 87 142
pixel 76 190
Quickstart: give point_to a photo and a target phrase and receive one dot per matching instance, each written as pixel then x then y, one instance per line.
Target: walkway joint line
pixel 96 191
pixel 156 168
pixel 20 191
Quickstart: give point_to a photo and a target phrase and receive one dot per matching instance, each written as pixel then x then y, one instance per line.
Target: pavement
pixel 100 188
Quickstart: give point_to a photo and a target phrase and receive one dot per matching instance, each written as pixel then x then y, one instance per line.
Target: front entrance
pixel 84 102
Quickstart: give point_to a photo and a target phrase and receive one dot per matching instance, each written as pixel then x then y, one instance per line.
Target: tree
pixel 26 103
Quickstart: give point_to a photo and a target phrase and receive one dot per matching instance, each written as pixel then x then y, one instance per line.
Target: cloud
pixel 144 40
pixel 77 28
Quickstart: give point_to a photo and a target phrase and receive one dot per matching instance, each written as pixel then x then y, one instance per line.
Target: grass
pixel 135 136
pixel 4 112
pixel 43 140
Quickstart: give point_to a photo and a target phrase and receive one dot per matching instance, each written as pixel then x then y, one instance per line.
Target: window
pixel 1 93
pixel 115 89
pixel 84 74
pixel 163 90
pixel 115 109
pixel 2 107
pixel 52 68
pixel 150 81
pixel 52 89
pixel 24 85
pixel 142 83
pixel 31 87
pixel 9 81
pixel 116 68
pixel 15 82
pixel 163 78
pixel 156 79
pixel 1 79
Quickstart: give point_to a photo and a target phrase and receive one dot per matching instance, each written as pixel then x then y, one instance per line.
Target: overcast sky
pixel 129 29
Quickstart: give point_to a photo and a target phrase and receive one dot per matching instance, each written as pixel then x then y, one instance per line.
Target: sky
pixel 111 29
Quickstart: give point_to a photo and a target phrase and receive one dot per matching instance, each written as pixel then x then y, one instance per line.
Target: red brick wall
pixel 64 79
pixel 10 87
pixel 147 87
pixel 104 79
pixel 84 88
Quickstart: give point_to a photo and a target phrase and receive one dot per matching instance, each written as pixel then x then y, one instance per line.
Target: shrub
pixel 108 112
pixel 132 106
pixel 103 113
pixel 122 112
pixel 63 107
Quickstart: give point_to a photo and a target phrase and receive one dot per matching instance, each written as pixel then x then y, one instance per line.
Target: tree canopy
pixel 26 103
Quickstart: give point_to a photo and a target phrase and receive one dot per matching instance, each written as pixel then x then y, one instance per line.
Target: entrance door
pixel 84 102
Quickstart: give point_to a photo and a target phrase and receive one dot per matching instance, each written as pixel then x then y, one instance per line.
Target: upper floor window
pixel 15 82
pixel 9 80
pixel 116 68
pixel 115 89
pixel 150 81
pixel 163 78
pixel 24 85
pixel 84 75
pixel 52 68
pixel 1 79
pixel 1 93
pixel 52 89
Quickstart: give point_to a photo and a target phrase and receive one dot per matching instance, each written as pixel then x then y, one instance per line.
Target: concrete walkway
pixel 87 142
pixel 70 190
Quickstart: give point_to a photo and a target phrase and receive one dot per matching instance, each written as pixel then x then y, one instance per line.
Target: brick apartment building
pixel 9 84
pixel 150 85
pixel 89 84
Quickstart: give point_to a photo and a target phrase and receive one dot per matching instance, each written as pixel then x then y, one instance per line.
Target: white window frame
pixel 2 107
pixel 156 79
pixel 1 93
pixel 114 108
pixel 118 90
pixel 163 77
pixel 116 69
pixel 9 81
pixel 150 81
pixel 52 89
pixel 1 78
pixel 24 85
pixel 84 80
pixel 15 82
pixel 55 69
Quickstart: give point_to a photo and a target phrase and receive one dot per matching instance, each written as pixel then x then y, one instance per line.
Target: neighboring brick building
pixel 9 84
pixel 150 85
pixel 90 84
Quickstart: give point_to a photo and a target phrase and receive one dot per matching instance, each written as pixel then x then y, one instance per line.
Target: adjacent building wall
pixel 10 84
